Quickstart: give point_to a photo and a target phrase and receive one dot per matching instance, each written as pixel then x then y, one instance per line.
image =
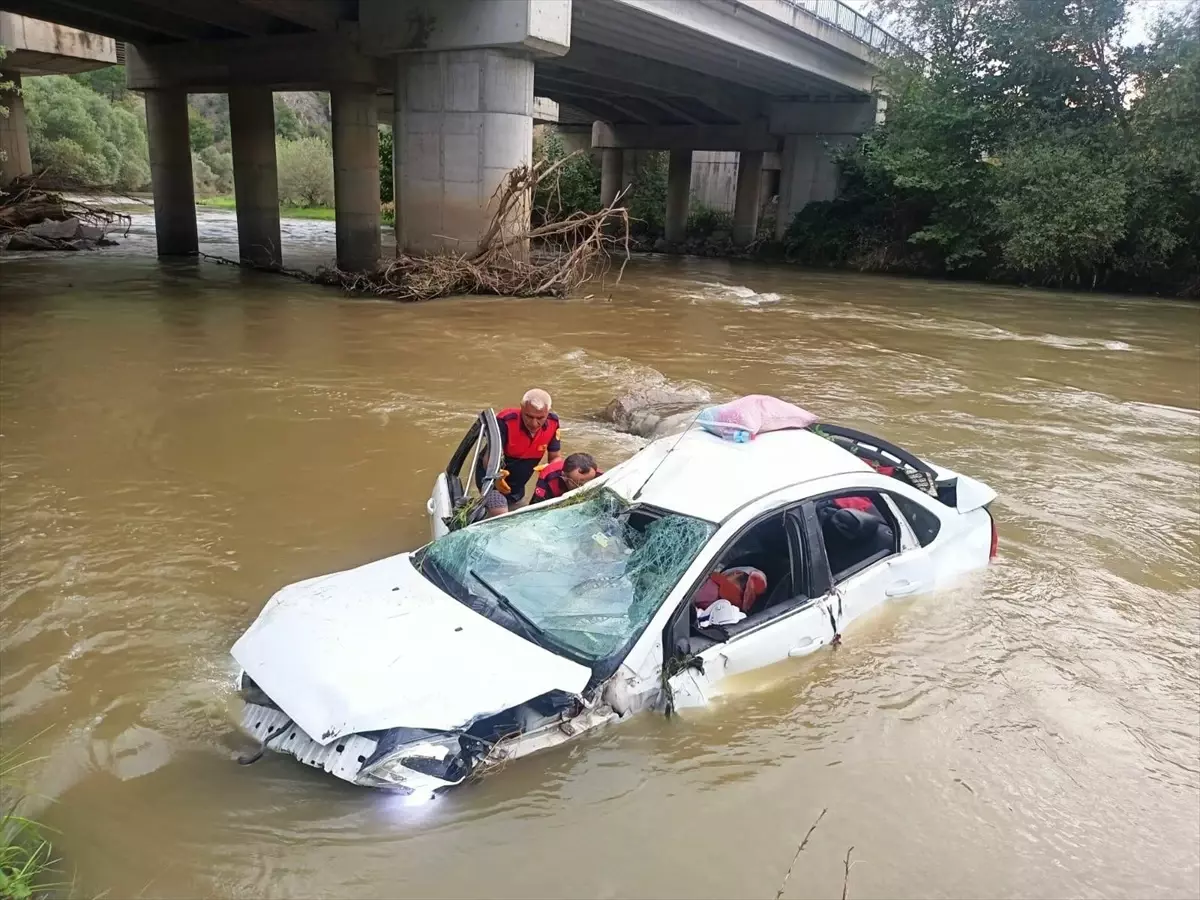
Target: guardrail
pixel 853 23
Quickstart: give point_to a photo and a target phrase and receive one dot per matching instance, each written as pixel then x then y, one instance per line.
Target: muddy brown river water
pixel 178 441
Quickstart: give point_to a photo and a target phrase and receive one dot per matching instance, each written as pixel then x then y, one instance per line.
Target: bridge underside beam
pixel 754 137
pixel 727 40
pixel 283 62
pixel 713 100
pixel 169 21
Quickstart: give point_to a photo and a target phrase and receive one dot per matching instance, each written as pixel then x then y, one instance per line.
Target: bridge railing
pixel 853 23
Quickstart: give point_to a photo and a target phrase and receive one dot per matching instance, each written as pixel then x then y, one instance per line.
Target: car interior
pixel 855 536
pixel 857 531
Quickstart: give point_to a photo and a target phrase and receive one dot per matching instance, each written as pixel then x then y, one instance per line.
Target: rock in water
pixel 66 230
pixel 24 241
pixel 655 412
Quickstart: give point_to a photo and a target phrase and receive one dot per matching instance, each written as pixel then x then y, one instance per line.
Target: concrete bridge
pixel 34 47
pixel 788 78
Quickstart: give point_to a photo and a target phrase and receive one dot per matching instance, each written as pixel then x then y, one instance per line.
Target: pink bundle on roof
pixel 742 419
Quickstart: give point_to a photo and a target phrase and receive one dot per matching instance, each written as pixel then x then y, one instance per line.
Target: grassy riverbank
pixel 324 213
pixel 287 212
pixel 27 864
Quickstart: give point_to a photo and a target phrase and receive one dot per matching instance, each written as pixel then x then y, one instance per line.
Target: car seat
pixel 852 537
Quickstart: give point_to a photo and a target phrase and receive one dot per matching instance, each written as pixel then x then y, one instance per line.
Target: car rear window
pixel 924 524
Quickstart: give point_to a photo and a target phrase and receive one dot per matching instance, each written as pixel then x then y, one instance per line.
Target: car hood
pixel 381 647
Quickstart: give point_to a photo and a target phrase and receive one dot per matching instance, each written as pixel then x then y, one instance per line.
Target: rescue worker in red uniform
pixel 527 434
pixel 565 475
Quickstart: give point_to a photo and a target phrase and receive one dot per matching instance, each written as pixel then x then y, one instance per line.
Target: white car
pixel 513 634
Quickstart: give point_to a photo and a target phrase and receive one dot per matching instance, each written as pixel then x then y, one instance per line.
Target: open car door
pixel 457 498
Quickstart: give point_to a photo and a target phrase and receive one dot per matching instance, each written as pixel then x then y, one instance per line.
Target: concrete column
pixel 171 172
pixel 467 121
pixel 630 159
pixel 679 185
pixel 356 176
pixel 745 210
pixel 255 179
pixel 808 175
pixel 610 175
pixel 14 135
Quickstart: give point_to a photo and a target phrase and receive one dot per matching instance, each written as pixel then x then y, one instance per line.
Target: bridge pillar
pixel 466 121
pixel 171 172
pixel 745 209
pixel 255 179
pixel 356 176
pixel 14 135
pixel 808 175
pixel 679 185
pixel 812 132
pixel 610 174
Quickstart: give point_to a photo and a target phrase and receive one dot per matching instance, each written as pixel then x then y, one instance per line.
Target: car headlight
pixel 419 767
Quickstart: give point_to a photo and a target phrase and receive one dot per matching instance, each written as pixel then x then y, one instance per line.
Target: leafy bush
pixel 220 166
pixel 1031 144
pixel 385 165
pixel 577 187
pixel 109 81
pixel 704 220
pixel 200 132
pixel 84 138
pixel 287 124
pixel 648 197
pixel 305 172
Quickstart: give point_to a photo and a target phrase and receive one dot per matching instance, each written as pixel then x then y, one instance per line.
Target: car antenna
pixel 653 471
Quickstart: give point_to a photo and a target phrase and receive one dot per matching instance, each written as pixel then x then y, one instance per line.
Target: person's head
pixel 579 469
pixel 535 408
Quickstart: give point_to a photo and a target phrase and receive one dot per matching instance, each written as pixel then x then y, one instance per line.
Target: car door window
pixel 474 468
pixel 856 530
pixel 925 524
pixel 770 545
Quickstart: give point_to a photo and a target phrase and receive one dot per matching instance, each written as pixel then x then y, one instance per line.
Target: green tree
pixel 574 186
pixel 648 195
pixel 305 172
pixel 83 138
pixel 1029 143
pixel 109 81
pixel 385 165
pixel 220 165
pixel 287 123
pixel 200 132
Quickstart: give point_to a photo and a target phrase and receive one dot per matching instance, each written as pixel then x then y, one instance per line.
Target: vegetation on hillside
pixel 1032 146
pixel 84 137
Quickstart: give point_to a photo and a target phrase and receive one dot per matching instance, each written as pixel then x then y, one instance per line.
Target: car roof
pixel 699 474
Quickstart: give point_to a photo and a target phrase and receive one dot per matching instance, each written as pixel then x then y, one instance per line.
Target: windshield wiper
pixel 508 605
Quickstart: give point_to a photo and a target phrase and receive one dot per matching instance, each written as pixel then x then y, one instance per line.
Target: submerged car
pixel 509 635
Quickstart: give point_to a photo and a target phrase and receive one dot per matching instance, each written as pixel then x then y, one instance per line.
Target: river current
pixel 178 441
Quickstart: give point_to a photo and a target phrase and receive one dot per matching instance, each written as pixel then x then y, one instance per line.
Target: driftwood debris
pixel 513 258
pixel 35 219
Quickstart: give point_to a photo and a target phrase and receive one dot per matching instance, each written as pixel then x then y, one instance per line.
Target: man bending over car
pixel 565 475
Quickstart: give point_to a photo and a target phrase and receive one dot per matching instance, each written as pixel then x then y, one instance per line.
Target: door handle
pixel 902 589
pixel 429 506
pixel 807 647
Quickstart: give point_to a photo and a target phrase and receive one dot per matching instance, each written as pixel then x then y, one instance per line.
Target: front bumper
pixel 343 757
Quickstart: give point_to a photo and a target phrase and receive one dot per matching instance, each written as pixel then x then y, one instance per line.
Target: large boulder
pixel 655 412
pixel 66 230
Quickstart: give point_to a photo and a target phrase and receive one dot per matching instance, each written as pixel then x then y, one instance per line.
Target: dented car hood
pixel 381 647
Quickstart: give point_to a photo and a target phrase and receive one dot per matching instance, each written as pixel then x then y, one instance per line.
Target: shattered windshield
pixel 588 573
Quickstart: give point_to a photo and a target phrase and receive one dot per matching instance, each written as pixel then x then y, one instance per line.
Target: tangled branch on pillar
pixel 512 258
